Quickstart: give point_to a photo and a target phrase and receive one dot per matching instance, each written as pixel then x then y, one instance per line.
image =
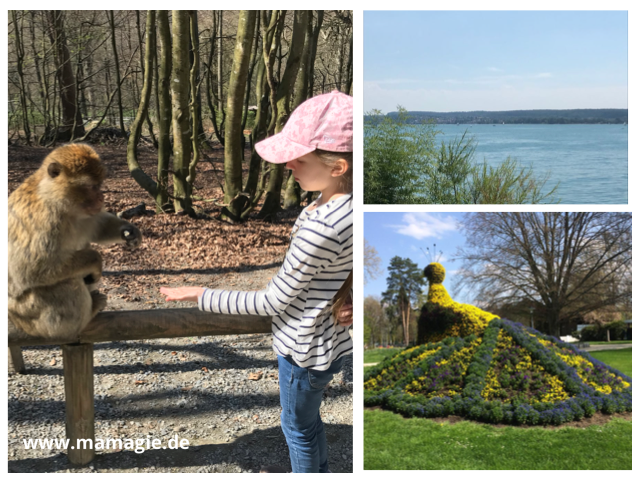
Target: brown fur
pixel 53 217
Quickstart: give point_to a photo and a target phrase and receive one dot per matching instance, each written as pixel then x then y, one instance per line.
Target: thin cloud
pixel 544 75
pixel 494 69
pixel 425 225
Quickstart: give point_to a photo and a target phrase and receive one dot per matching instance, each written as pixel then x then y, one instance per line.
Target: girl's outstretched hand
pixel 182 294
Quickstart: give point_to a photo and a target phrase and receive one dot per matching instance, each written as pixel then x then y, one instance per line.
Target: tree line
pixel 567 116
pixel 186 79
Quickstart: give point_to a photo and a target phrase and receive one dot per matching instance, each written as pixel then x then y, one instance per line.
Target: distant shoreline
pixel 613 116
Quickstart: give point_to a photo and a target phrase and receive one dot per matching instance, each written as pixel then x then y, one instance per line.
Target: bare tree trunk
pixel 314 48
pixel 107 81
pixel 20 62
pixel 252 64
pixel 144 180
pixel 117 65
pixel 349 86
pixel 194 105
pixel 43 83
pixel 259 131
pixel 72 125
pixel 180 108
pixel 194 46
pixel 292 193
pixel 214 104
pixel 164 110
pixel 142 67
pixel 219 72
pixel 233 125
pixel 306 69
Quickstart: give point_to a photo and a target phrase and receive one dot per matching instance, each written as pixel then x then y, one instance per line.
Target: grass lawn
pixel 392 442
pixel 378 354
pixel 619 359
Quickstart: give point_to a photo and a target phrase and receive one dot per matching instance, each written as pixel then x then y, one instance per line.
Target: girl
pixel 306 299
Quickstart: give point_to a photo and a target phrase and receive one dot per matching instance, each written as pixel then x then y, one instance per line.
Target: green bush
pixel 598 333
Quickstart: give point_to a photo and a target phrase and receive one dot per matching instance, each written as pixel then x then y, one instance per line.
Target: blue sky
pixel 404 234
pixel 493 60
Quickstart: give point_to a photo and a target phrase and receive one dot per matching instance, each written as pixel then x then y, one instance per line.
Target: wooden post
pixel 16 362
pixel 78 389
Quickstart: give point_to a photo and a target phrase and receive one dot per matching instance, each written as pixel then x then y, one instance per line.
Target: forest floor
pixel 199 388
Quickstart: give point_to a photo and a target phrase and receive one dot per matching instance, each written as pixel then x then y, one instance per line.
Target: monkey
pixel 54 216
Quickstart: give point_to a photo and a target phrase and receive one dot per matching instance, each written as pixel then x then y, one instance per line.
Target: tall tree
pixel 404 284
pixel 314 49
pixel 194 103
pixel 116 60
pixel 180 108
pixel 233 127
pixel 72 125
pixel 142 67
pixel 564 264
pixel 17 35
pixel 164 109
pixel 144 180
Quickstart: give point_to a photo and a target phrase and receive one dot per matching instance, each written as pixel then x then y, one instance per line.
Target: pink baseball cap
pixel 323 122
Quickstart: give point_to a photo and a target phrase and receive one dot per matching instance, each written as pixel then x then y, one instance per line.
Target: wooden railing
pixel 77 355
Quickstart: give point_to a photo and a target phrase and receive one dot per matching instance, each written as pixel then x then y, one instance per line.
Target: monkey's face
pixel 89 197
pixel 74 174
pixel 82 192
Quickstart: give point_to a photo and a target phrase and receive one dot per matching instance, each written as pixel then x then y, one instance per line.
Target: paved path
pixel 615 346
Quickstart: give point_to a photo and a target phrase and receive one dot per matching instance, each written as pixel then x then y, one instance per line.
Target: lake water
pixel 589 161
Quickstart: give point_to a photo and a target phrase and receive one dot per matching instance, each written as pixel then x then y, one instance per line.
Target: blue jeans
pixel 300 397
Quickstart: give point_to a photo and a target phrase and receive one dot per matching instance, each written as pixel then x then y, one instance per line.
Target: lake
pixel 589 161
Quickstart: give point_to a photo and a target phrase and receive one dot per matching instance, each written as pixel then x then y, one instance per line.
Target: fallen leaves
pixel 255 376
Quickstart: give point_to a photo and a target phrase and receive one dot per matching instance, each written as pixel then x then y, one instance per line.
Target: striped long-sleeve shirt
pixel 299 298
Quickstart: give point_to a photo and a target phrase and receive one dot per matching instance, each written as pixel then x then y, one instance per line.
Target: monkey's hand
pixel 131 235
pixel 89 265
pixel 98 302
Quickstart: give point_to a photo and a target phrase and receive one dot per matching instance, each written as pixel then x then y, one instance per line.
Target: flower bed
pixel 507 374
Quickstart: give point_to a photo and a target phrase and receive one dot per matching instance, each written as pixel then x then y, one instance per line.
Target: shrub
pixel 598 333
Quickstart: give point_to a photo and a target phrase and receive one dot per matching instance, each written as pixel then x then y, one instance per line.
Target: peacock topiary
pixel 441 317
pixel 473 364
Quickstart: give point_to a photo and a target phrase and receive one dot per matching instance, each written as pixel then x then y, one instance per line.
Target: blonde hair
pixel 330 159
pixel 341 297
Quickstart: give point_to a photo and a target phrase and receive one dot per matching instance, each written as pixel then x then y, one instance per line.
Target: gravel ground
pixel 196 388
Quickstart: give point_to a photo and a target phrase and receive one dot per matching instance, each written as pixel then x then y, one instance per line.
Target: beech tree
pixel 72 124
pixel 233 145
